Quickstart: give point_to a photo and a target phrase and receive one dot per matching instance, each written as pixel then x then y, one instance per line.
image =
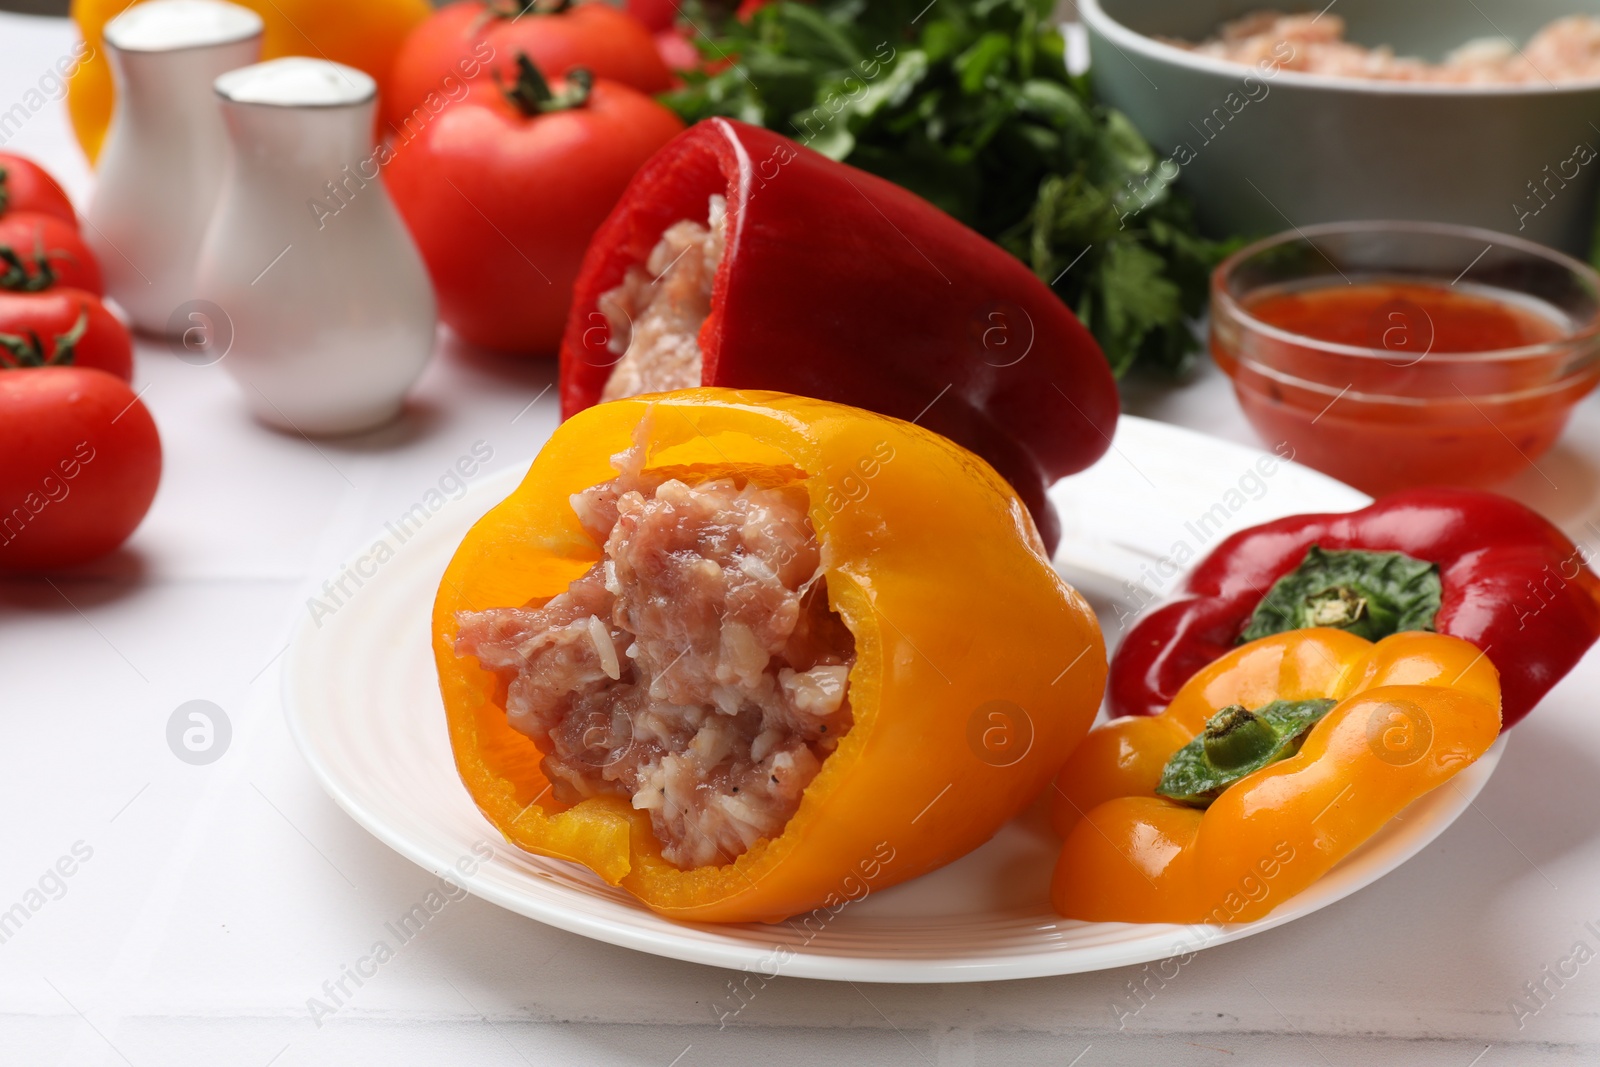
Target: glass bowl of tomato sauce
pixel 1397 354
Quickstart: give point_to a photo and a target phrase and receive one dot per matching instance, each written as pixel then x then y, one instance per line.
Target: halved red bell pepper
pixel 1472 565
pixel 839 285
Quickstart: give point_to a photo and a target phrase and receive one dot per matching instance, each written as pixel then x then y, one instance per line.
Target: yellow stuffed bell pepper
pixel 748 655
pixel 365 34
pixel 1269 766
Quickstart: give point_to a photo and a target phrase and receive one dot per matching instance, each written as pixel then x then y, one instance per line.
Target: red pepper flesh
pixel 839 285
pixel 1513 585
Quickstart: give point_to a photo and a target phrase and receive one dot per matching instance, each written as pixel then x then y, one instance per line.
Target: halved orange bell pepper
pixel 977 668
pixel 1398 718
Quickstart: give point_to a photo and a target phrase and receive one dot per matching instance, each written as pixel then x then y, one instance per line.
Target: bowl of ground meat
pixel 1273 116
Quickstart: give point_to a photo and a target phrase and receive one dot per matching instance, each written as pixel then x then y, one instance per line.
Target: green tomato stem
pixel 532 95
pixel 515 9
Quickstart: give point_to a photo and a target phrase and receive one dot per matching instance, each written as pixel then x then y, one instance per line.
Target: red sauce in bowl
pixel 1427 399
pixel 1406 316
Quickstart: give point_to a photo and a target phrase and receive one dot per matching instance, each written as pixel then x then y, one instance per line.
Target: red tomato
pixel 656 15
pixel 26 186
pixel 473 41
pixel 63 326
pixel 502 204
pixel 40 251
pixel 676 43
pixel 677 49
pixel 83 460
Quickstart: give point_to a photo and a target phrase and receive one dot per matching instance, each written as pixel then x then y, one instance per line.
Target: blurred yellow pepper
pixel 360 33
pixel 1285 755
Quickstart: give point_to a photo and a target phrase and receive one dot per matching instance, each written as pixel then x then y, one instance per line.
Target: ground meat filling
pixel 1565 50
pixel 697 670
pixel 656 313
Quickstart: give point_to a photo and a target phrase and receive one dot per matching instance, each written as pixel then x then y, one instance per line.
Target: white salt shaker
pixel 162 166
pixel 328 301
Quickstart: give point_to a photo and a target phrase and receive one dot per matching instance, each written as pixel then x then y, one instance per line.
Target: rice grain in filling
pixel 697 670
pixel 655 315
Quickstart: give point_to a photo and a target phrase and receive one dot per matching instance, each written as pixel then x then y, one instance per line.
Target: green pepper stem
pixel 1237 737
pixel 1369 593
pixel 1337 606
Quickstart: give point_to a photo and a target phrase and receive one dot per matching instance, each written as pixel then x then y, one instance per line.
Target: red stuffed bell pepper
pixel 738 258
pixel 1468 564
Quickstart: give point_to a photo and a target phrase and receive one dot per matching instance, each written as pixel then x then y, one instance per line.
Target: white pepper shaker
pixel 328 302
pixel 162 165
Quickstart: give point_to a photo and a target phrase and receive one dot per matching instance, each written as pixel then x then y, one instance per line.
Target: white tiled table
pixel 216 900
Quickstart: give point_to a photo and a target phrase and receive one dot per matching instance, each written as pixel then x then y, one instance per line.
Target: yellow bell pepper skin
pixel 1413 710
pixel 933 565
pixel 365 34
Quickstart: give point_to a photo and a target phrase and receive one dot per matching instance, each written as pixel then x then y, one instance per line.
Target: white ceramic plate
pixel 363 705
